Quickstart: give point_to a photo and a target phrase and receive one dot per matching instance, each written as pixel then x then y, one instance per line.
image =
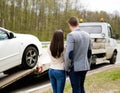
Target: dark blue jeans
pixel 57 79
pixel 77 80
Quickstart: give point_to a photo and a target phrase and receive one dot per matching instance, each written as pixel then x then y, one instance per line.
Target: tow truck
pixel 103 41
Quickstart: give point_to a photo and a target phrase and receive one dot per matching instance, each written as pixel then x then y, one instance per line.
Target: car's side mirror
pixel 11 35
pixel 115 36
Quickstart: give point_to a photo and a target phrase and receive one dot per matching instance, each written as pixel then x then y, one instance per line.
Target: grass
pixel 107 81
pixel 45 46
pixel 104 82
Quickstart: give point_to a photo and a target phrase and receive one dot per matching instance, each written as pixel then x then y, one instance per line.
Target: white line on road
pixel 35 89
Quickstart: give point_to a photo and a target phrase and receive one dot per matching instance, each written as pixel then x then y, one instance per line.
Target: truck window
pixel 109 32
pixel 91 29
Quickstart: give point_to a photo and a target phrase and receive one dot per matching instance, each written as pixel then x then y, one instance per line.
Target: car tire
pixel 113 58
pixel 30 57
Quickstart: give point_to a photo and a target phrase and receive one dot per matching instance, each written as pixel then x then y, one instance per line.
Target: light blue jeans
pixel 57 79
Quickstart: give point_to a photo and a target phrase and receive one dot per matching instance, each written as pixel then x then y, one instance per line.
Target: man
pixel 78 53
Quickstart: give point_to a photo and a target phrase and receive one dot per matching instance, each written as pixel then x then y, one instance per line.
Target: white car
pixel 18 50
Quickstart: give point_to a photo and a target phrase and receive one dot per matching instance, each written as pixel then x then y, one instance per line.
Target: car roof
pixel 4 29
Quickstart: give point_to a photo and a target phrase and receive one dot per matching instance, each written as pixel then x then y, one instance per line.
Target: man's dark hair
pixel 57 44
pixel 73 21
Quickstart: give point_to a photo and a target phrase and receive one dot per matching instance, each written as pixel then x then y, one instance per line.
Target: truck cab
pixel 104 44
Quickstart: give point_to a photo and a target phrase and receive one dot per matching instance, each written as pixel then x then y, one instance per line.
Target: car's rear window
pixel 91 29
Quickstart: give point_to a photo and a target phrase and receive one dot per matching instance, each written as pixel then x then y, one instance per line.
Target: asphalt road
pixel 33 84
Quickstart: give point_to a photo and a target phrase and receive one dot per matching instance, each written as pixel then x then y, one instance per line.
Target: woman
pixel 57 73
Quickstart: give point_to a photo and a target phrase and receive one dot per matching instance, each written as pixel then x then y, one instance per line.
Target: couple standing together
pixel 73 60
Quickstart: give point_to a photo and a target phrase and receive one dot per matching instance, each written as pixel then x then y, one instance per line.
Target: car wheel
pixel 30 57
pixel 113 58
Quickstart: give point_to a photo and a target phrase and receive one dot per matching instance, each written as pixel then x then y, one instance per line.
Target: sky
pixel 109 6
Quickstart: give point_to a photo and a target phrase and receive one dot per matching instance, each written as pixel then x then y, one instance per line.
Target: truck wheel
pixel 93 60
pixel 30 57
pixel 113 59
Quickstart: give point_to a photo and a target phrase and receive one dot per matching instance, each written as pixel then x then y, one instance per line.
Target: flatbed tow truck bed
pixel 9 79
pixel 20 73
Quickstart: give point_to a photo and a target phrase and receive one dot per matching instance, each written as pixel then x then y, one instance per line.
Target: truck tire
pixel 113 58
pixel 93 61
pixel 30 57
